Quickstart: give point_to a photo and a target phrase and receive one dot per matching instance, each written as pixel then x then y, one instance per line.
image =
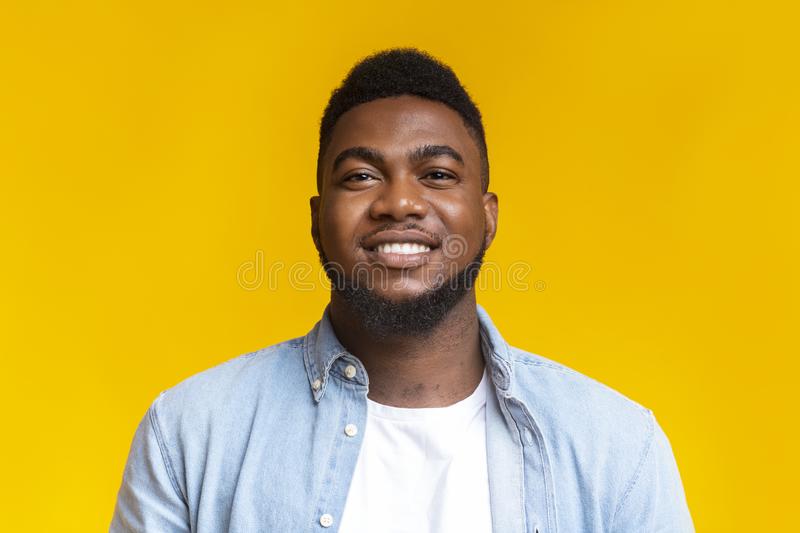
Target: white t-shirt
pixel 422 470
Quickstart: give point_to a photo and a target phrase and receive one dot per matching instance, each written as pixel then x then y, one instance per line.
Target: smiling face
pixel 401 204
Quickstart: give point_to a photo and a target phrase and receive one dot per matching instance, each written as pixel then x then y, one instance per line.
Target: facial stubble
pixel 417 315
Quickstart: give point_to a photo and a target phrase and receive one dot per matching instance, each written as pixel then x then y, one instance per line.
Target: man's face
pixel 401 204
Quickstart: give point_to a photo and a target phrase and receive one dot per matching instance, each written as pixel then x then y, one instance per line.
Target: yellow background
pixel 645 155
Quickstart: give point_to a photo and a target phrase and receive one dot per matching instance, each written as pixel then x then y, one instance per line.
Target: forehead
pixel 397 124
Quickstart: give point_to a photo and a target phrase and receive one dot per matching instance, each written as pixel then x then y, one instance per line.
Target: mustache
pixel 399 227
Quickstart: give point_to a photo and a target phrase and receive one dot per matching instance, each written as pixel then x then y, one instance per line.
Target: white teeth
pixel 402 248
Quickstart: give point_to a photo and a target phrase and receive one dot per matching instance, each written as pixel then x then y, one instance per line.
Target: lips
pixel 400 237
pixel 400 249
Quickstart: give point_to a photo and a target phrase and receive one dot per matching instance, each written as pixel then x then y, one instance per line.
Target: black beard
pixel 418 315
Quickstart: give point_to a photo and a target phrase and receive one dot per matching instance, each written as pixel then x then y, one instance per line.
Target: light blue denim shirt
pixel 258 444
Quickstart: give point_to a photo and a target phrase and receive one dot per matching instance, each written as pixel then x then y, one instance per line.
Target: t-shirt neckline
pixel 472 402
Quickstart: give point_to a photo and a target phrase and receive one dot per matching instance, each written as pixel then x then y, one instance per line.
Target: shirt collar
pixel 322 348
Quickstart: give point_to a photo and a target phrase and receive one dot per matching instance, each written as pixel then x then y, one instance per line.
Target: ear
pixel 314 204
pixel 490 213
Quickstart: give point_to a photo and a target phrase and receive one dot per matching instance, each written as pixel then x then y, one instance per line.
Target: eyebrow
pixel 417 155
pixel 370 155
pixel 431 151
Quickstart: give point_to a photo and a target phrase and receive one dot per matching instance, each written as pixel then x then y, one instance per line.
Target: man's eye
pixel 358 177
pixel 438 175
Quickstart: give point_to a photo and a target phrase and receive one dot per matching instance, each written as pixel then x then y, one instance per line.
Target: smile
pixel 403 248
pixel 400 255
pixel 400 249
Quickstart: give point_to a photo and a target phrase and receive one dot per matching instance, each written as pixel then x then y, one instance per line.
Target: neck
pixel 437 369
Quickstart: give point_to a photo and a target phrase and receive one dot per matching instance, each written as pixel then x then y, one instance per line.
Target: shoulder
pixel 211 412
pixel 235 385
pixel 548 383
pixel 604 448
pixel 596 427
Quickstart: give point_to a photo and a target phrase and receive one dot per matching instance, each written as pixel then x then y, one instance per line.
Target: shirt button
pixel 316 384
pixel 528 436
pixel 326 520
pixel 350 371
pixel 351 430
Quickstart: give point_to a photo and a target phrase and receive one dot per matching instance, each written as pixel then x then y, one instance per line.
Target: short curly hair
pixel 396 72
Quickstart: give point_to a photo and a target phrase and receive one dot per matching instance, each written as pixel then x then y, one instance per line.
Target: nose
pixel 399 199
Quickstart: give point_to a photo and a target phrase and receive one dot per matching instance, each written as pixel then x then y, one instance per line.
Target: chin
pixel 406 302
pixel 402 295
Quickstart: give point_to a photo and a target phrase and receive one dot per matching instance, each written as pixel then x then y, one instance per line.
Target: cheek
pixel 465 223
pixel 338 224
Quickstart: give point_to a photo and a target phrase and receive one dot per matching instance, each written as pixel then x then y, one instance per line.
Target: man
pixel 403 409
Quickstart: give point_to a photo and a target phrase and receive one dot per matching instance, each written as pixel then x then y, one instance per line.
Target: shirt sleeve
pixel 149 499
pixel 654 502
